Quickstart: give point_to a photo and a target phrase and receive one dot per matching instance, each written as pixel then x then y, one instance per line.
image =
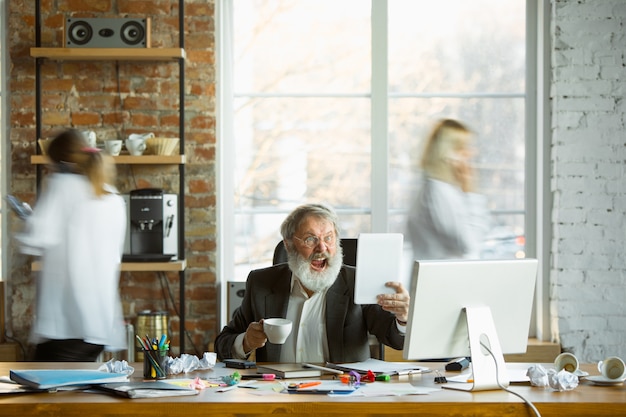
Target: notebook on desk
pixel 288 370
pixel 145 389
pixel 56 378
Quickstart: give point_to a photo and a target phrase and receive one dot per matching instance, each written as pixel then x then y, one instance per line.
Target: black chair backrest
pixel 348 245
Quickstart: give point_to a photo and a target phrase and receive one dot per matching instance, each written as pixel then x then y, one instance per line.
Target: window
pixel 331 101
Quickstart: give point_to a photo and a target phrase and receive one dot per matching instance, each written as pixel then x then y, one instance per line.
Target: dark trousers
pixel 68 350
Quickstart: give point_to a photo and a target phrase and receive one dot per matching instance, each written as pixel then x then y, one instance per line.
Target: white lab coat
pixel 447 223
pixel 80 238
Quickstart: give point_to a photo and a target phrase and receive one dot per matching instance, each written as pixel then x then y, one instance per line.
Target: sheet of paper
pixel 379 259
pixel 383 367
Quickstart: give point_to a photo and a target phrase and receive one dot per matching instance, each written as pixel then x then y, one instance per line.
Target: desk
pixel 585 400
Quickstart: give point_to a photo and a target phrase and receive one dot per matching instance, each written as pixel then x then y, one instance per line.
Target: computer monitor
pixel 460 306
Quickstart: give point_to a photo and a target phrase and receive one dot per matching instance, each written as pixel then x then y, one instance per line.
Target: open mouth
pixel 318 263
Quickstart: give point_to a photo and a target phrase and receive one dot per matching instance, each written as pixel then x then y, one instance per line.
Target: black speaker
pixel 107 33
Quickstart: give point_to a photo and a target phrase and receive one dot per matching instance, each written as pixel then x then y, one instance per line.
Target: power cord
pixel 19 343
pixel 167 294
pixel 529 403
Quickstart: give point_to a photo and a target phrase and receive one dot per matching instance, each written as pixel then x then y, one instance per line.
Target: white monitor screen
pixel 440 290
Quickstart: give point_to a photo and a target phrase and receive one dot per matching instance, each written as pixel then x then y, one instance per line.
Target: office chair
pixel 349 258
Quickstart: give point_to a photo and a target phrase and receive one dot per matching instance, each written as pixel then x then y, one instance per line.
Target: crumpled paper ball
pixel 560 381
pixel 538 376
pixel 187 363
pixel 115 366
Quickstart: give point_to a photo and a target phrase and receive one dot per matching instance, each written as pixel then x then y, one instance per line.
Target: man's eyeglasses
pixel 313 241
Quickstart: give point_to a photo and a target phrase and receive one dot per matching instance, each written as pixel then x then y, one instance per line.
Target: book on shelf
pixel 56 378
pixel 288 370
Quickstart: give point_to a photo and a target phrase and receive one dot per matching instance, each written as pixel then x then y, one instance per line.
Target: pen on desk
pixel 322 368
pixel 307 384
pixel 409 372
pixel 264 377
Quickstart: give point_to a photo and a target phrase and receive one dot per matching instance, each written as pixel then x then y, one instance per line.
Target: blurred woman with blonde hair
pixel 448 219
pixel 78 228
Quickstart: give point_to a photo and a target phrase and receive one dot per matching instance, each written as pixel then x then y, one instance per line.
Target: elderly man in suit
pixel 316 292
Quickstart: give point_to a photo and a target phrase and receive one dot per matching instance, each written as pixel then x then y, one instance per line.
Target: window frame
pixel 538 197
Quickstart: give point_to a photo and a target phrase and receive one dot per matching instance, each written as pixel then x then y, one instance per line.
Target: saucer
pixel 601 380
pixel 580 373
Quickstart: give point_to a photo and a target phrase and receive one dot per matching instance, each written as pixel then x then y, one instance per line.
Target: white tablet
pixel 379 259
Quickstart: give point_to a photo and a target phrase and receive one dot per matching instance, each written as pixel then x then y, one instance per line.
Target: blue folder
pixel 55 378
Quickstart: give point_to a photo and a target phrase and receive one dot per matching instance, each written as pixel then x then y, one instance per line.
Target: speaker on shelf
pixel 107 33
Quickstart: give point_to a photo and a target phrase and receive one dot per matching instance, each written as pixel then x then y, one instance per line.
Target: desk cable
pixel 530 404
pixel 167 294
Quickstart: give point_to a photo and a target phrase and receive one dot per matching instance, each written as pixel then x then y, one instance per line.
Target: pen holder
pixel 155 363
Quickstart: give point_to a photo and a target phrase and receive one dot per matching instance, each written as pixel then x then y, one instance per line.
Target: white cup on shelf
pixel 136 146
pixel 113 146
pixel 90 137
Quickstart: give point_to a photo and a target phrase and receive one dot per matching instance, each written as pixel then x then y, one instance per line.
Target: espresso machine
pixel 152 232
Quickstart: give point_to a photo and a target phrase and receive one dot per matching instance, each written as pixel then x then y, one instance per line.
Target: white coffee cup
pixel 612 368
pixel 277 330
pixel 136 146
pixel 566 361
pixel 113 146
pixel 90 137
pixel 143 136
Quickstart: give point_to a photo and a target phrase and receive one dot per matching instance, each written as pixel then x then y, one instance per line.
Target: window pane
pixel 296 150
pixel 464 64
pixel 320 46
pixel 456 46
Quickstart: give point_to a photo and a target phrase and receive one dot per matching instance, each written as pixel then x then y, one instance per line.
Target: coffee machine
pixel 152 232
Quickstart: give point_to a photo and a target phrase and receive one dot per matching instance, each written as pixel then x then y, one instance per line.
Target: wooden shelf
pixel 128 159
pixel 140 266
pixel 100 54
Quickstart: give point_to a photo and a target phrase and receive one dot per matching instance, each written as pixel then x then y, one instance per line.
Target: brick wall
pixel 116 99
pixel 588 153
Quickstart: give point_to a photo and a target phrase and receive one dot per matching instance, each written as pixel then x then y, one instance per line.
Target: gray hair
pixel 296 217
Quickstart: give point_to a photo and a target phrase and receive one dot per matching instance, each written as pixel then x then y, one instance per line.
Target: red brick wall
pixel 85 95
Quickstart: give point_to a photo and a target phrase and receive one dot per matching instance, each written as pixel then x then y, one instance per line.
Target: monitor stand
pixel 488 373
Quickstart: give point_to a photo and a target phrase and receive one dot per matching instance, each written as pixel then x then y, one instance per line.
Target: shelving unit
pixel 42 54
pixel 108 54
pixel 171 266
pixel 127 159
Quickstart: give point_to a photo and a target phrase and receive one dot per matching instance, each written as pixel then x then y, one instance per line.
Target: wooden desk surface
pixel 585 400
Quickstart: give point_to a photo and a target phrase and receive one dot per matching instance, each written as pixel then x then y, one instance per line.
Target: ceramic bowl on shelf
pixel 161 146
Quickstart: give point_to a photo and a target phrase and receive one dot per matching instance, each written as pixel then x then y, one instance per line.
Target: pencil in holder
pixel 155 364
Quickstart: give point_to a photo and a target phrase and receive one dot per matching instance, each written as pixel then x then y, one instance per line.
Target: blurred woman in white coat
pixel 448 218
pixel 77 227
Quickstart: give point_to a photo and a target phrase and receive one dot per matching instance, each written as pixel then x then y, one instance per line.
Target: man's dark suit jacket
pixel 347 324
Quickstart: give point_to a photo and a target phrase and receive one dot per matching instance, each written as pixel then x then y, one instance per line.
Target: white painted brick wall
pixel 588 277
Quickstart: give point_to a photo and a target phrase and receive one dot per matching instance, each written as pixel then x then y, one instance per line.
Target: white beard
pixel 313 280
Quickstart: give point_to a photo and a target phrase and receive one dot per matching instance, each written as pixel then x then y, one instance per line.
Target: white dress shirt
pixel 307 341
pixel 80 238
